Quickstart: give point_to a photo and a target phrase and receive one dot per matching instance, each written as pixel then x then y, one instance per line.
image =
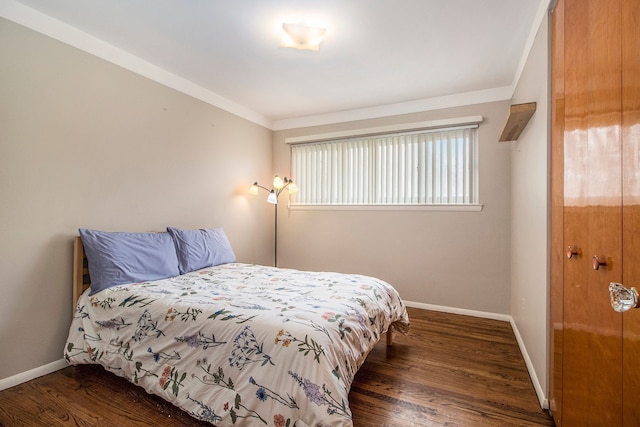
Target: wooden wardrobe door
pixel 592 331
pixel 631 207
pixel 575 301
pixel 558 252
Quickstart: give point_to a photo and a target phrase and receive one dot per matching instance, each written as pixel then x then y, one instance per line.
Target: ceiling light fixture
pixel 301 36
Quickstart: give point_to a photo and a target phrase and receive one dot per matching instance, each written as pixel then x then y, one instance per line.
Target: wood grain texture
pixel 451 370
pixel 592 355
pixel 631 204
pixel 81 277
pixel 599 67
pixel 557 210
pixel 517 119
pixel 575 218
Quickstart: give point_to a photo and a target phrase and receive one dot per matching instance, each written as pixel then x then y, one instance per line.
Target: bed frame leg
pixel 390 336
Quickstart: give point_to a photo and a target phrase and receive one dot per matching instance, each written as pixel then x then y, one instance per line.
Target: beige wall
pixel 452 259
pixel 84 143
pixel 530 213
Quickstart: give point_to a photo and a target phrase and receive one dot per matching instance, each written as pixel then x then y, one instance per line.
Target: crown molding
pixel 51 27
pixel 417 106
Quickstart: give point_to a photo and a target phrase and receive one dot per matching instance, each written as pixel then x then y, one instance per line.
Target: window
pixel 427 167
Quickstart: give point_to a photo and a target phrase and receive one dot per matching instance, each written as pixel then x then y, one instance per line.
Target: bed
pixel 234 343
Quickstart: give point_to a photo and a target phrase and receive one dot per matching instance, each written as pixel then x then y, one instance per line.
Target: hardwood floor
pixel 451 370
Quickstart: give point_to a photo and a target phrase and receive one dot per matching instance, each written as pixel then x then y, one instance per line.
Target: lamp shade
pixel 272 198
pixel 278 182
pixel 253 190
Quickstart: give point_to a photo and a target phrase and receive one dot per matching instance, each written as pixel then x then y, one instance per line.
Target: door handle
pixel 572 251
pixel 623 299
pixel 597 263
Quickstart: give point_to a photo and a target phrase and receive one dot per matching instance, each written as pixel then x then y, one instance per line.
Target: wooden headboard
pixel 81 279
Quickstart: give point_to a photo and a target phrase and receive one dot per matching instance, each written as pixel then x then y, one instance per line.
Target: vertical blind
pixel 416 168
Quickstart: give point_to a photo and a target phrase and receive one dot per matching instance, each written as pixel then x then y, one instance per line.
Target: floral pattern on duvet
pixel 240 344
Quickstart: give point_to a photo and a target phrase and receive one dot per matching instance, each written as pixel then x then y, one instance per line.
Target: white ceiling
pixel 379 57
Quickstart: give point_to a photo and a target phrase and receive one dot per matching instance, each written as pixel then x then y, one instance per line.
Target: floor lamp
pixel 279 184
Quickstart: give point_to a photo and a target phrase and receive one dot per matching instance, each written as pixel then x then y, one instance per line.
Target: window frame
pixel 428 126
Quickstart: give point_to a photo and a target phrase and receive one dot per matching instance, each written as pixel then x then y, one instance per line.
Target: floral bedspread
pixel 241 344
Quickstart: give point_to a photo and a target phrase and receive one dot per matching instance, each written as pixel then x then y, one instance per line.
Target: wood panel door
pixel 631 206
pixel 592 360
pixel 596 132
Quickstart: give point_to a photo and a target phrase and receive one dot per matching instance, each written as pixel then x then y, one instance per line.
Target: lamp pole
pixel 275 236
pixel 279 184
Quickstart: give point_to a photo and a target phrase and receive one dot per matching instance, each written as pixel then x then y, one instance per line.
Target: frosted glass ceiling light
pixel 303 37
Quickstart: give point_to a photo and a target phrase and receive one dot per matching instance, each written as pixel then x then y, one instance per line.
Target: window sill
pixel 436 208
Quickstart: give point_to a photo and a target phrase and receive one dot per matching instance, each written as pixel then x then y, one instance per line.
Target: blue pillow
pixel 201 248
pixel 117 258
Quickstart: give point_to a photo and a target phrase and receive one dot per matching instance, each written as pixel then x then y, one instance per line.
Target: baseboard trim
pixel 23 377
pixel 542 398
pixel 462 311
pixel 544 402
